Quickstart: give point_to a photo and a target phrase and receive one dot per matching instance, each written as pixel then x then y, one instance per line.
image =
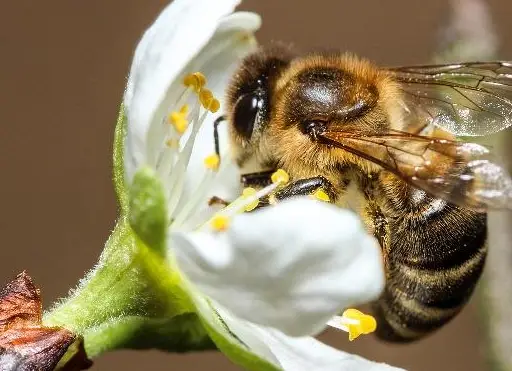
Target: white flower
pixel 262 282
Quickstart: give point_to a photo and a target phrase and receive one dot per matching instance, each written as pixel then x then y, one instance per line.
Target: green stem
pixel 131 299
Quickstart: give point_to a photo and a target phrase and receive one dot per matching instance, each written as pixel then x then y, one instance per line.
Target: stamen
pixel 196 199
pixel 220 222
pixel 320 195
pixel 168 157
pixel 177 176
pixel 178 125
pixel 250 192
pixel 280 177
pixel 176 155
pixel 195 80
pixel 179 119
pixel 184 97
pixel 246 202
pixel 354 322
pixel 205 97
pixel 249 199
pixel 184 109
pixel 212 162
pixel 214 105
pixel 208 101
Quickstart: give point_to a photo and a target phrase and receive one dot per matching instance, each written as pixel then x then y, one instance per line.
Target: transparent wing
pixel 465 174
pixel 466 99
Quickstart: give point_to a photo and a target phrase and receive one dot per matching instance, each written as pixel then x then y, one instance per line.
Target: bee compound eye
pixel 246 113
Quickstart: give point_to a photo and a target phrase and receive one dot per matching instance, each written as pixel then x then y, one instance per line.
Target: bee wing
pixel 466 99
pixel 465 174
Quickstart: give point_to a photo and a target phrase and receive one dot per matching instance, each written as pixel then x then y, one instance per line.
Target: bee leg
pixel 214 200
pixel 300 187
pixel 217 200
pixel 305 187
pixel 257 180
pixel 216 142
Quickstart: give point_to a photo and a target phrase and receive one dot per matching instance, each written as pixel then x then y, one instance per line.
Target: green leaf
pixel 148 214
pixel 118 157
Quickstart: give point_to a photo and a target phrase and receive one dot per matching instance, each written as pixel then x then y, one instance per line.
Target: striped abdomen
pixel 434 255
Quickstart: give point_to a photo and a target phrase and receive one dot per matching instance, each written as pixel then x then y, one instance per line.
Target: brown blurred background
pixel 63 66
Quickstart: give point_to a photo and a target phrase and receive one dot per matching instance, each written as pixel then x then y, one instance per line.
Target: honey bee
pixel 382 141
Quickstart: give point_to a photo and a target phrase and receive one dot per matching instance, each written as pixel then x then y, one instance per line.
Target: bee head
pixel 250 97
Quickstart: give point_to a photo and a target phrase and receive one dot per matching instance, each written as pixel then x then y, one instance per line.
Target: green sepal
pixel 118 157
pixel 148 214
pixel 132 289
pixel 133 298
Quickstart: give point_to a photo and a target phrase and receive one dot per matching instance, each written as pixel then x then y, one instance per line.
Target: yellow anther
pixel 220 222
pixel 212 162
pixel 320 194
pixel 195 80
pixel 206 97
pixel 280 176
pixel 208 101
pixel 358 323
pixel 214 105
pixel 249 192
pixel 179 119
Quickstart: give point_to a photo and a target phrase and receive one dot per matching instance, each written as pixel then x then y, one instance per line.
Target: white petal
pixel 167 47
pixel 307 353
pixel 219 71
pixel 299 353
pixel 285 352
pixel 302 259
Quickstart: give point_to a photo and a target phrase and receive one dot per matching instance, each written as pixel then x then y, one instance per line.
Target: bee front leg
pixel 216 145
pixel 259 179
pixel 300 187
pixel 216 142
pixel 305 187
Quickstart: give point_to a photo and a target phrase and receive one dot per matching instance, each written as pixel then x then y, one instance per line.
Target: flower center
pixel 189 112
pixel 191 109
